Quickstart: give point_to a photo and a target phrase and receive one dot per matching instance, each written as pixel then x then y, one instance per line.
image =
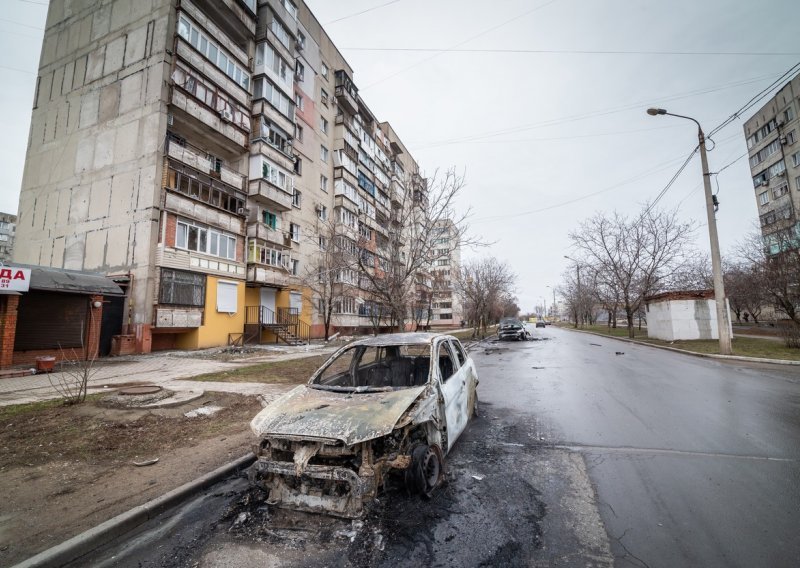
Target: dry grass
pixel 39 433
pixel 293 371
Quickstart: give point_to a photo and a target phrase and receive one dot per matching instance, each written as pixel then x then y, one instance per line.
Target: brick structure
pixel 8 325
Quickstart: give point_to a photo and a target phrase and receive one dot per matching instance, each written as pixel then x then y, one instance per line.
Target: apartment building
pixel 772 143
pixel 8 224
pixel 197 151
pixel 446 309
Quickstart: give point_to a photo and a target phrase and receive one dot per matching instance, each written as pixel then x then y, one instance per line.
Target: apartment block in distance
pixel 772 142
pixel 446 306
pixel 194 149
pixel 8 224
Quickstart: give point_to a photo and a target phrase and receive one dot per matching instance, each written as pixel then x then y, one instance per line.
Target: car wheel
pixel 426 471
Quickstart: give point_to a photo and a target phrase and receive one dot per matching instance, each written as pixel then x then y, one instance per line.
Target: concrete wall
pixel 91 183
pixel 682 319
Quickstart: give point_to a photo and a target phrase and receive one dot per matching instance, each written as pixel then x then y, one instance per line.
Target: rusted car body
pixel 387 404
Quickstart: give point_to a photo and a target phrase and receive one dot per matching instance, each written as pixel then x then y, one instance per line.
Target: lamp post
pixel 716 262
pixel 578 274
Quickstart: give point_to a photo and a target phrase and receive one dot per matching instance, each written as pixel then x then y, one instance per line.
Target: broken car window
pixel 446 366
pixel 378 367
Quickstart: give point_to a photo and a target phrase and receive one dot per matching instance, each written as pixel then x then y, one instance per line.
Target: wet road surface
pixel 580 457
pixel 695 462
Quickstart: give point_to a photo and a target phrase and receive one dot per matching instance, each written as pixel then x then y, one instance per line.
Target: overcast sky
pixel 534 101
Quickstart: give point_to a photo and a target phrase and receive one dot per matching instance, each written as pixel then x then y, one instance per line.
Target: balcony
pixel 201 161
pixel 267 275
pixel 346 99
pixel 267 194
pixel 259 230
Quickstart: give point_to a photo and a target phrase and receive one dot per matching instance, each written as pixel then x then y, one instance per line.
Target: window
pixel 280 32
pixel 323 95
pixel 202 239
pixel 763 198
pixel 443 262
pixel 301 40
pixel 790 138
pixel 446 365
pixel 298 132
pixel 295 266
pixel 788 114
pixel 208 47
pixel 227 297
pixel 323 243
pixel 323 153
pixel 298 165
pixel 322 212
pixel 323 183
pixel 365 232
pixel 204 188
pixel 181 288
pixel 299 71
pixel 797 183
pixel 298 100
pixel 267 56
pixel 296 199
pixel 276 176
pixel 264 89
pixel 781 190
pixel 324 70
pixel 294 231
pixel 777 169
pixel 270 219
pixel 323 125
pixel 291 8
pixel 796 159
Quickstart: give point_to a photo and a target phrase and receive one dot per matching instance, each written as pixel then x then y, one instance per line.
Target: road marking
pixel 631 450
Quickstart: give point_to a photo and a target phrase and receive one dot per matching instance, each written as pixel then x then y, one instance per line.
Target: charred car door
pixel 452 379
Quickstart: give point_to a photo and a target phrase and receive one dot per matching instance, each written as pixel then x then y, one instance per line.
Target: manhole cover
pixel 144 389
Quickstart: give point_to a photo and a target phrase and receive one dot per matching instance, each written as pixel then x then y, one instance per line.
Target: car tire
pixel 426 471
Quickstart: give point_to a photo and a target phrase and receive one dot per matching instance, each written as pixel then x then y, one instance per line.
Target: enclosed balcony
pixel 204 162
pixel 264 192
pixel 346 92
pixel 273 237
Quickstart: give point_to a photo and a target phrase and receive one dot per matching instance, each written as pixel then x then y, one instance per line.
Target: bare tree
pixel 636 254
pixel 485 288
pixel 331 276
pixel 419 218
pixel 775 263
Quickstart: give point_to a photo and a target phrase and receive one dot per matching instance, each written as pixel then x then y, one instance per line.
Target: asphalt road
pixel 695 462
pixel 580 457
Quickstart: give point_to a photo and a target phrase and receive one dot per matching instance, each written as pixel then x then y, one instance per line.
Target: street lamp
pixel 716 263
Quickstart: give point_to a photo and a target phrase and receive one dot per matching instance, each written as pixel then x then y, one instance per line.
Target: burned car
pixel 390 405
pixel 512 328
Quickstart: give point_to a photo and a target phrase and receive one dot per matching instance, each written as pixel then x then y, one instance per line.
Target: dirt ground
pixel 64 469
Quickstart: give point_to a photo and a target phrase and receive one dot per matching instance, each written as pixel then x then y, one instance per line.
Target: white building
pixel 682 315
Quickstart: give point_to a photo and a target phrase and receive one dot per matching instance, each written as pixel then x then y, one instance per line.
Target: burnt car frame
pixel 512 328
pixel 387 405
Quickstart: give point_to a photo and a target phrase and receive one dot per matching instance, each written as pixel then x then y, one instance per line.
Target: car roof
pixel 409 338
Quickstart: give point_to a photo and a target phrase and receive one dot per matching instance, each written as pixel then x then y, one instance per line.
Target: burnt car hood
pixel 352 418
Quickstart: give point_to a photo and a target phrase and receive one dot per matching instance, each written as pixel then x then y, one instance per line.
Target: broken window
pixel 446 365
pixel 181 288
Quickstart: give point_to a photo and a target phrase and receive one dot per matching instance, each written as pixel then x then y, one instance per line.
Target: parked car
pixel 512 328
pixel 541 323
pixel 387 405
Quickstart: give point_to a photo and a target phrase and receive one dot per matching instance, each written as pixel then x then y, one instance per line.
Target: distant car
pixel 541 323
pixel 387 405
pixel 512 328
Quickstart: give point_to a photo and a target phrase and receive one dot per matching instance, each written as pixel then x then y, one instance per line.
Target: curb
pixel 685 352
pixel 105 532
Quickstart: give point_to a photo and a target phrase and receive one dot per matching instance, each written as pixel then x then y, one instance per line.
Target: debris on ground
pixel 209 410
pixel 146 462
pixel 620 353
pixel 595 344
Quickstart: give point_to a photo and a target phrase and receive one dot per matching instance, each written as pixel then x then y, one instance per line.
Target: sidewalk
pixel 164 369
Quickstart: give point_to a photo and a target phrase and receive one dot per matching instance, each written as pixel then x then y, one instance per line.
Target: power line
pixel 459 44
pixel 17 70
pixel 588 115
pixel 361 12
pixel 21 24
pixel 752 102
pixel 567 51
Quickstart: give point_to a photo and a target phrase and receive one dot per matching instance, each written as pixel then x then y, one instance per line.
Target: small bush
pixel 791 335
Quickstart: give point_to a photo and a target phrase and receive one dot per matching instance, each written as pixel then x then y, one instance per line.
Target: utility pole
pixel 723 319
